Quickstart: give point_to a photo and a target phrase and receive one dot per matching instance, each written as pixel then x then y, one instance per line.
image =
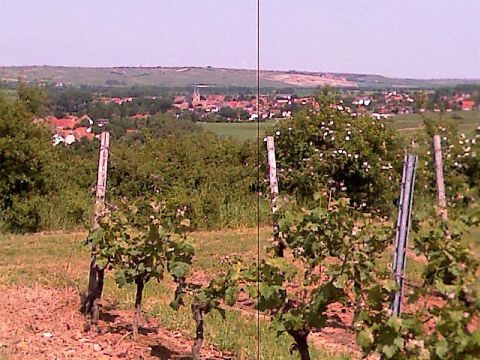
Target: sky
pixel 408 38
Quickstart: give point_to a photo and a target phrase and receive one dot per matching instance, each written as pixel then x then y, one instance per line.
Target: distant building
pixel 140 116
pixel 102 122
pixel 467 104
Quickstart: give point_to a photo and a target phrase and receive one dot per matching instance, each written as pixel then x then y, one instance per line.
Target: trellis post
pixel 96 276
pixel 442 201
pixel 101 187
pixel 403 226
pixel 273 180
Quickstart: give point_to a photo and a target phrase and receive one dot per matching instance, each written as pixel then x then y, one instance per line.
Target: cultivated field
pixel 467 121
pixel 43 274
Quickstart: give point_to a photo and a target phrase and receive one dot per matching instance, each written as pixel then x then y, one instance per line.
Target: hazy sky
pixel 408 38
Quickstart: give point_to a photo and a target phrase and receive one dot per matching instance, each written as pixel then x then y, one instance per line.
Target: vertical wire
pixel 258 178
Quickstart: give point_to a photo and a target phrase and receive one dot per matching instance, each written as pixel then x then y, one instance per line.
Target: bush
pixel 212 177
pixel 355 157
pixel 25 155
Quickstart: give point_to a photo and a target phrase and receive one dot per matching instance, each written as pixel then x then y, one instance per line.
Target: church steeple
pixel 196 96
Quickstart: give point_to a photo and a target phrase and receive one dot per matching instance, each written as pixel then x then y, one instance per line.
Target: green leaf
pixel 279 327
pixel 395 323
pixel 362 316
pixel 441 348
pixel 389 351
pixel 365 338
pixel 101 263
pixel 120 278
pixel 316 320
pixel 375 297
pixel 341 281
pixel 399 343
pixel 231 295
pixel 179 269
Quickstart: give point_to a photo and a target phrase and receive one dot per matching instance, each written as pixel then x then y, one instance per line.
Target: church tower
pixel 196 96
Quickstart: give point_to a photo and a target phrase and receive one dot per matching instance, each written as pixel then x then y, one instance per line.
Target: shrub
pixel 356 157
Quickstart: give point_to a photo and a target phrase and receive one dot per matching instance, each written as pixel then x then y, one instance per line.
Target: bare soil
pixel 44 323
pixel 311 80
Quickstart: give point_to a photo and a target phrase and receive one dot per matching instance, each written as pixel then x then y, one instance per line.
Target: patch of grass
pixel 240 131
pixel 467 121
pixel 8 94
pixel 473 239
pixel 212 246
pixel 54 260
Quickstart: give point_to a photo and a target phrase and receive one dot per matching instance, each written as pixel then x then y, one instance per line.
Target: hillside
pixel 186 76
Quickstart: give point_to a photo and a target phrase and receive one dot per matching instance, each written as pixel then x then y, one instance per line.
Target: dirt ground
pixel 44 323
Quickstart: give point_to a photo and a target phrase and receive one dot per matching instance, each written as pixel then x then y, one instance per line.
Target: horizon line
pixel 233 68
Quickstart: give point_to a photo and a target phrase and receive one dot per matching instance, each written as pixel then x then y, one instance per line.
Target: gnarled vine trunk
pixel 90 306
pixel 300 337
pixel 279 247
pixel 197 345
pixel 357 304
pixel 138 306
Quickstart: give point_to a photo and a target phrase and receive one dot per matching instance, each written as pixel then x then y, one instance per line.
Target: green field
pixel 467 122
pixel 10 95
pixel 240 131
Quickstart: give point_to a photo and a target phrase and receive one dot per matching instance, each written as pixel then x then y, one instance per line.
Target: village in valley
pixel 219 108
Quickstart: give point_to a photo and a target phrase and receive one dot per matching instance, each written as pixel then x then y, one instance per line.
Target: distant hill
pixel 187 76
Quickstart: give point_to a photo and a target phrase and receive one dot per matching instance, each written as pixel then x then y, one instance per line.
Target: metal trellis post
pixel 403 226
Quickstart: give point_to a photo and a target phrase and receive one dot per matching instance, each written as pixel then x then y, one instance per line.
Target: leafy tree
pixel 82 123
pixel 34 99
pixel 243 115
pixel 228 113
pixel 68 101
pixel 355 157
pixel 185 170
pixel 25 155
pixel 461 164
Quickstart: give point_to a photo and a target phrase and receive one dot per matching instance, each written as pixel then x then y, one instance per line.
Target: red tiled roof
pixel 82 132
pixel 467 104
pixel 64 123
pixel 140 116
